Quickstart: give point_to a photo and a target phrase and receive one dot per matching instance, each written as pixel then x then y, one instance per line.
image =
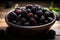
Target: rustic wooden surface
pixel 14 38
pixel 3 12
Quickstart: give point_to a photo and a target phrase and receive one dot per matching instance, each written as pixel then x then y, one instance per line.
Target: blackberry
pixel 22 20
pixel 57 16
pixel 9 5
pixel 29 10
pixel 51 34
pixel 50 19
pixel 33 9
pixel 36 18
pixel 33 22
pixel 46 14
pixel 12 17
pixel 18 11
pixel 27 24
pixel 42 19
pixel 39 13
pixel 38 7
pixel 29 6
pixel 30 15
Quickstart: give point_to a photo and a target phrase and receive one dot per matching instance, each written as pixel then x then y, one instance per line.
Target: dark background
pixel 56 1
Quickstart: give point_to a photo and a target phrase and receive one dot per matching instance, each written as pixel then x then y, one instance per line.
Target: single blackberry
pixel 49 19
pixel 12 17
pixel 29 6
pixel 27 24
pixel 33 9
pixel 39 13
pixel 42 19
pixel 51 34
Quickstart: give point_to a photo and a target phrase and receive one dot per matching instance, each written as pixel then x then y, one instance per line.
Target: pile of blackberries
pixel 30 15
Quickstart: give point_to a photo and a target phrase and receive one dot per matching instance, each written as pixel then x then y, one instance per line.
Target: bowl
pixel 29 30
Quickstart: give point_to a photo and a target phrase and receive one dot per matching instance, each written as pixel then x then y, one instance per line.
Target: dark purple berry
pixel 25 12
pixel 36 17
pixel 27 24
pixel 9 5
pixel 42 19
pixel 46 21
pixel 33 19
pixel 57 16
pixel 29 10
pixel 18 11
pixel 30 14
pixel 46 14
pixel 33 22
pixel 22 20
pixel 12 16
pixel 50 19
pixel 39 13
pixel 14 22
pixel 44 10
pixel 33 9
pixel 51 14
pixel 51 34
pixel 38 7
pixel 29 6
pixel 19 16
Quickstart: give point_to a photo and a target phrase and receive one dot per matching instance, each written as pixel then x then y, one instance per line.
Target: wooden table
pixel 13 38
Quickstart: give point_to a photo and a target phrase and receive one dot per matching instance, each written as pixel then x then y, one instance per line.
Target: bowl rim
pixel 28 26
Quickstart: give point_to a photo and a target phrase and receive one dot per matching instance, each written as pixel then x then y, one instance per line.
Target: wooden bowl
pixel 29 30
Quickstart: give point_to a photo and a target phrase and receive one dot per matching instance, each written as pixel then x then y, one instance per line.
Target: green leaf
pixel 55 12
pixel 51 6
pixel 57 9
